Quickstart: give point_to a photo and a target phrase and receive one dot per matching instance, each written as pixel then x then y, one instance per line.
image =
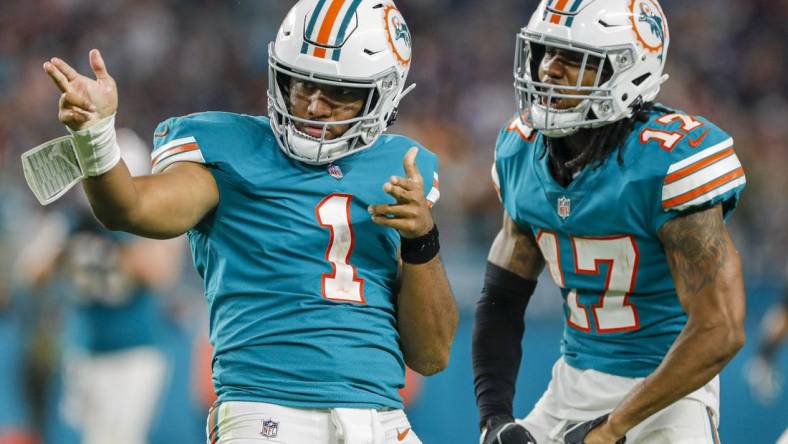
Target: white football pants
pixel 237 422
pixel 575 396
pixel 111 397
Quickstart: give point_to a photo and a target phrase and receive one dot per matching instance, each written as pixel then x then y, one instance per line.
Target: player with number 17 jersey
pixel 598 235
pixel 624 201
pixel 300 282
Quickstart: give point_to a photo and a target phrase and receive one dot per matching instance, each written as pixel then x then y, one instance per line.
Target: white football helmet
pixel 626 39
pixel 347 43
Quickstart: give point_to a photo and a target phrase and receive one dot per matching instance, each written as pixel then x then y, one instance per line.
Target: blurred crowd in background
pixel 727 61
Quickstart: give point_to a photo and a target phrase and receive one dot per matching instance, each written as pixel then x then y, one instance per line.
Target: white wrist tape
pixel 97 146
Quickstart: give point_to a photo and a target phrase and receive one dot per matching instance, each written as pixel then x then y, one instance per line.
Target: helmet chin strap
pixel 308 148
pixel 558 133
pixel 544 120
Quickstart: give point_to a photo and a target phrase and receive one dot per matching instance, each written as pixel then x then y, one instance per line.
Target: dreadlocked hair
pixel 601 142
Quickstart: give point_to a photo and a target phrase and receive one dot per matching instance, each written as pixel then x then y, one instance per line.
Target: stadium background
pixel 727 61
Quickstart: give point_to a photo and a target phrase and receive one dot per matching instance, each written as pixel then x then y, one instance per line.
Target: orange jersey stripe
pixel 212 435
pixel 175 150
pixel 561 5
pixel 689 169
pixel 516 128
pixel 328 24
pixel 703 189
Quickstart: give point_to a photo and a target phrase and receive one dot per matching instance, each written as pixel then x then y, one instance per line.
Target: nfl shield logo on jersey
pixel 564 207
pixel 335 171
pixel 270 428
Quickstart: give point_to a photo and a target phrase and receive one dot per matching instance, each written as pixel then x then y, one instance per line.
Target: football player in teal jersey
pixel 624 200
pixel 15 333
pixel 112 368
pixel 15 415
pixel 310 227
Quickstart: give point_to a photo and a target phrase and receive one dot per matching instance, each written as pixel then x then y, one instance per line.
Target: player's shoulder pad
pixel 694 159
pixel 203 137
pixel 426 161
pixel 398 145
pixel 513 149
pixel 401 144
pixel 515 137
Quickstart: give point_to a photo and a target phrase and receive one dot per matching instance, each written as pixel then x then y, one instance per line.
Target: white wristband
pixel 97 146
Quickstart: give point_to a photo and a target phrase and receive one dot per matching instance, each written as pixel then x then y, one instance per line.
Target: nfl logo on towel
pixel 270 428
pixel 564 207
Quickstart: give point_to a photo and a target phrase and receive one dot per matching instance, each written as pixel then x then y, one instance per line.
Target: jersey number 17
pixel 614 312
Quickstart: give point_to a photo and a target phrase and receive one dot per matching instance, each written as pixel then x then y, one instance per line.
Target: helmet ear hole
pixel 638 80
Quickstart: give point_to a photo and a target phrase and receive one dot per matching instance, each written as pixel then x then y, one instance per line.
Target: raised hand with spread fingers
pixel 83 101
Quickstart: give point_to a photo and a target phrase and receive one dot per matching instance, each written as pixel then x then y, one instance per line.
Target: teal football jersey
pixel 300 283
pixel 598 235
pixel 107 309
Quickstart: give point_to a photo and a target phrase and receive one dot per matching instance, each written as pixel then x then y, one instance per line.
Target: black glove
pixel 578 433
pixel 501 429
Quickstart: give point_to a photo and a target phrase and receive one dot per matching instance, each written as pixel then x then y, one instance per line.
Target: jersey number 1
pixel 613 313
pixel 343 283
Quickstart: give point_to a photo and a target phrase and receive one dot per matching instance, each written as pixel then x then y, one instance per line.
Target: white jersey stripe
pixel 186 156
pixel 433 196
pixel 435 193
pixel 171 144
pixel 710 195
pixel 700 177
pixel 701 155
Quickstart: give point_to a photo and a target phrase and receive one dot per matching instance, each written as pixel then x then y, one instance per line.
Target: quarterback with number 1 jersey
pixel 311 228
pixel 300 282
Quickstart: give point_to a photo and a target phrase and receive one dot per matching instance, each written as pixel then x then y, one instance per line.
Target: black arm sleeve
pixel 497 333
